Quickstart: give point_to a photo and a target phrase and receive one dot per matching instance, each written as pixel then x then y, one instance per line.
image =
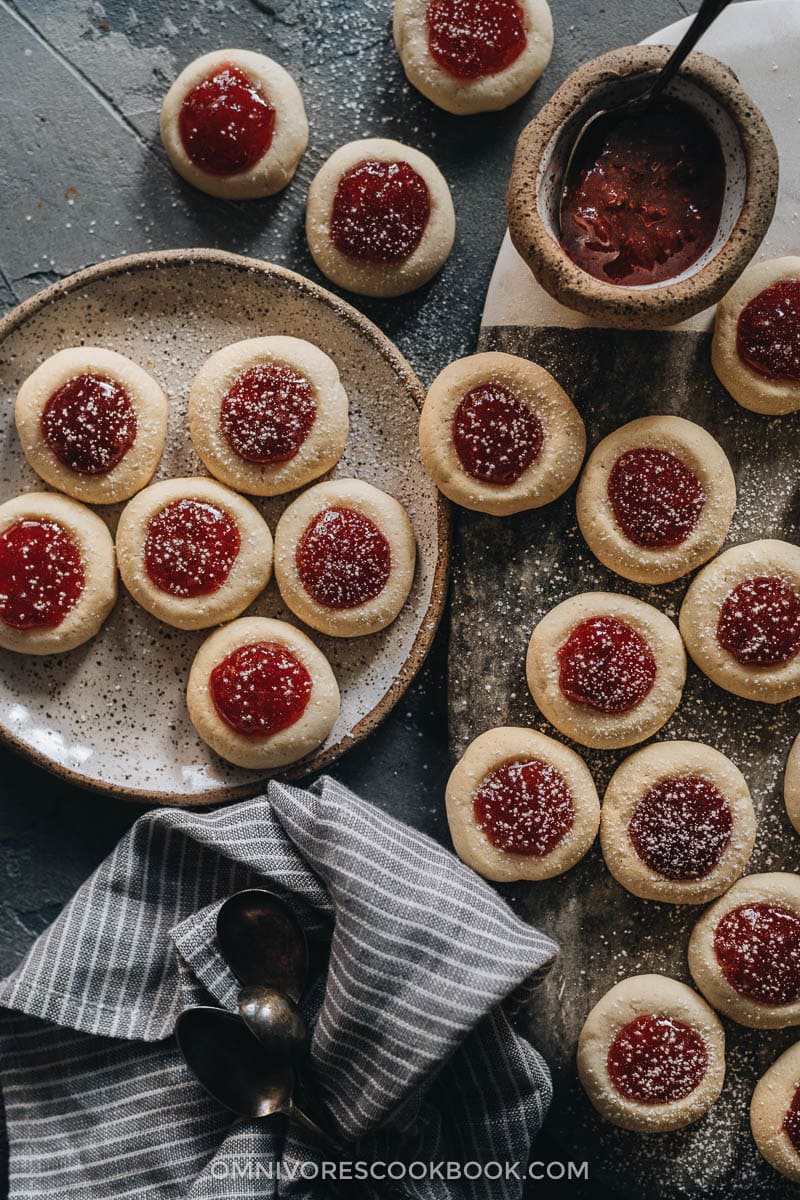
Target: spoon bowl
pixel 275 1021
pixel 263 942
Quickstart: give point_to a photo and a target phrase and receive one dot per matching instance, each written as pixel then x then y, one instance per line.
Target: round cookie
pixel 651 1055
pixel 740 620
pixel 775 1114
pixel 756 347
pixel 606 670
pixel 744 952
pixel 344 558
pixel 791 785
pixel 656 499
pixel 192 552
pixel 92 424
pixel 261 694
pixel 521 806
pixel 268 415
pixel 498 434
pixel 380 218
pixel 58 576
pixel 470 56
pixel 678 824
pixel 234 125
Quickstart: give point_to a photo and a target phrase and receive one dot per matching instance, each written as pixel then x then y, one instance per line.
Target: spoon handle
pixel 707 13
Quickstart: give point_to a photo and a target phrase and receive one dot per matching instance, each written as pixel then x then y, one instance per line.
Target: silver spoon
pixel 707 13
pixel 240 1073
pixel 263 942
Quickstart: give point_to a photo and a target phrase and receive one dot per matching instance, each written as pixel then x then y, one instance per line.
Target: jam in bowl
pixel 662 207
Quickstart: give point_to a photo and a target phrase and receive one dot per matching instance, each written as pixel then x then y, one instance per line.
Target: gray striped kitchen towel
pixel 412 1053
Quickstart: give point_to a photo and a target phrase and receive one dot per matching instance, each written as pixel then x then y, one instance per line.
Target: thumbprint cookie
pixel 92 424
pixel 656 499
pixel 234 125
pixel 261 694
pixel 268 415
pixel 344 558
pixel 651 1055
pixel 192 552
pixel 58 577
pixel 606 670
pixel 380 218
pixel 744 952
pixel 678 823
pixel 521 806
pixel 791 785
pixel 775 1114
pixel 470 56
pixel 498 434
pixel 740 621
pixel 756 347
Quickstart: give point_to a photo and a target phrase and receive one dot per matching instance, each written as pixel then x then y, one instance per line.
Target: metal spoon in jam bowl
pixel 605 118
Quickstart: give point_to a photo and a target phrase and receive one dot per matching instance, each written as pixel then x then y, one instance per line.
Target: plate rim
pixel 431 618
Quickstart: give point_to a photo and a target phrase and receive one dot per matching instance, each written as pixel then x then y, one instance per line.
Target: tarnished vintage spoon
pixel 707 13
pixel 241 1073
pixel 263 942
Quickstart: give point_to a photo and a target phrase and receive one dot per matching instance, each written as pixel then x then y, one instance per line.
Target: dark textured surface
pixel 535 561
pixel 83 177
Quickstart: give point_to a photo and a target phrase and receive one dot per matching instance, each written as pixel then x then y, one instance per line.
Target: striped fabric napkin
pixel 413 1056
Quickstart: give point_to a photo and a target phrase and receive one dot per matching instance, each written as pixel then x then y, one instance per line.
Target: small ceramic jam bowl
pixel 751 184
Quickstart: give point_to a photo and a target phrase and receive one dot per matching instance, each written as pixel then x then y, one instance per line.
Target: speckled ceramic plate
pixel 111 715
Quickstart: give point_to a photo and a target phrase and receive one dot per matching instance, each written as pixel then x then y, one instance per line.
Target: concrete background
pixel 83 177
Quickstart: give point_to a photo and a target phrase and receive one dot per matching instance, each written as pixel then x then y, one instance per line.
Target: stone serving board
pixel 507 575
pixel 111 715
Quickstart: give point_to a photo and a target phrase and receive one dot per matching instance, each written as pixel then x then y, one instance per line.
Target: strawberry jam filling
pixel 89 424
pixel 226 123
pixel 525 808
pixel 791 1121
pixel 495 435
pixel 657 1060
pixel 260 689
pixel 758 949
pixel 190 548
pixel 644 195
pixel 268 414
pixel 759 622
pixel 380 212
pixel 768 331
pixel 472 38
pixel 41 574
pixel 656 499
pixel 606 665
pixel 681 828
pixel 343 559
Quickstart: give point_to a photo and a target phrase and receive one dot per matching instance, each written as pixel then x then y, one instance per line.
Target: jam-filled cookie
pixel 268 415
pixel 521 806
pixel 651 1055
pixel 344 558
pixel 744 952
pixel 192 552
pixel 380 218
pixel 92 424
pixel 656 499
pixel 472 56
pixel 775 1114
pixel 678 823
pixel 498 434
pixel 261 694
pixel 58 576
pixel 791 785
pixel 756 346
pixel 606 670
pixel 234 125
pixel 740 621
